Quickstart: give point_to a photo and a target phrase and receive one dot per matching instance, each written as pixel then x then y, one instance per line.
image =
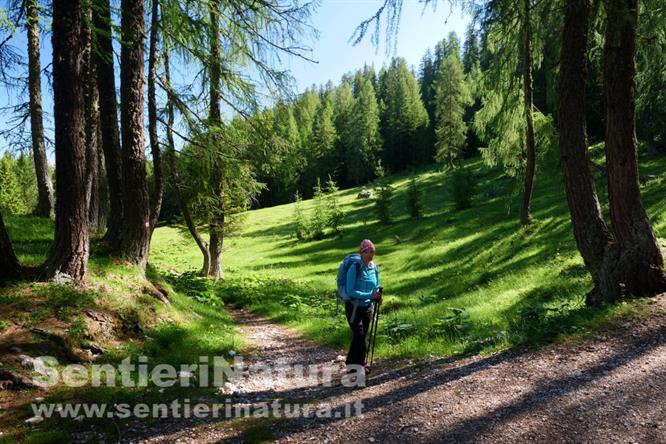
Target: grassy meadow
pixel 455 281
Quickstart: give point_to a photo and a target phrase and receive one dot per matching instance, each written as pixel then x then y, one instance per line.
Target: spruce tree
pixel 364 154
pixel 322 143
pixel 451 96
pixel 414 199
pixel 344 125
pixel 471 52
pixel 405 121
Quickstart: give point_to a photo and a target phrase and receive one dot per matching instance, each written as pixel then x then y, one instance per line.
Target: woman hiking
pixel 362 286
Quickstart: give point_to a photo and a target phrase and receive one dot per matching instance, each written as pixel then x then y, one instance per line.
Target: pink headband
pixel 366 244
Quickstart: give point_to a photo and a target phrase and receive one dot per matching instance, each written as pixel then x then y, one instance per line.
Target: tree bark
pixel 9 264
pixel 152 119
pixel 136 224
pixel 69 252
pixel 44 185
pixel 184 209
pixel 106 85
pixel 216 241
pixel 217 224
pixel 592 236
pixel 640 264
pixel 93 178
pixel 525 212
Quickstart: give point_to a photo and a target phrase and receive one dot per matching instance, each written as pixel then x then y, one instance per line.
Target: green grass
pixel 176 333
pixel 455 281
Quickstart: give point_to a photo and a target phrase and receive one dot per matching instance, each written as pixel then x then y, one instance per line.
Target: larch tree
pixel 136 209
pixel 528 105
pixel 110 133
pixel 152 116
pixel 640 265
pixel 217 221
pixel 249 36
pixel 96 194
pixel 70 249
pixel 44 185
pixel 624 260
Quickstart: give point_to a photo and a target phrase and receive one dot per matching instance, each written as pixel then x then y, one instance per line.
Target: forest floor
pixel 609 386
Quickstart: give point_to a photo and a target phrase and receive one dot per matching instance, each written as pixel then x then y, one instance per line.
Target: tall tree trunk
pixel 525 213
pixel 640 263
pixel 106 85
pixel 103 186
pixel 152 118
pixel 592 235
pixel 136 224
pixel 44 185
pixel 184 209
pixel 216 242
pixel 217 225
pixel 93 178
pixel 69 252
pixel 9 264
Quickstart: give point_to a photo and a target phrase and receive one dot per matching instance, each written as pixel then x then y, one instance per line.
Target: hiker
pixel 362 288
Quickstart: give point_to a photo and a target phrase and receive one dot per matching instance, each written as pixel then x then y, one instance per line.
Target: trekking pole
pixel 369 335
pixel 374 336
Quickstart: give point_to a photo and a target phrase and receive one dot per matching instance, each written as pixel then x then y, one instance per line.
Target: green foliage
pixel 414 199
pixel 219 175
pixel 471 52
pixel 12 199
pixel 325 215
pixel 25 174
pixel 451 97
pixel 383 195
pixel 77 332
pixel 194 286
pixel 501 121
pixel 405 120
pixel 318 219
pixel 463 188
pixel 301 228
pixel 347 142
pixel 334 214
pixel 363 154
pixel 454 324
pixel 650 74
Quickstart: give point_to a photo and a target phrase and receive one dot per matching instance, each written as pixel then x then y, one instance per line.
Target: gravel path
pixel 609 388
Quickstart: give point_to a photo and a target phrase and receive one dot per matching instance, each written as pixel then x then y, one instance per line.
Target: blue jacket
pixel 360 288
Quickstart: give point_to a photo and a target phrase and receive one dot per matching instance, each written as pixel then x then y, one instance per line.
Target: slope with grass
pixel 455 281
pixel 119 311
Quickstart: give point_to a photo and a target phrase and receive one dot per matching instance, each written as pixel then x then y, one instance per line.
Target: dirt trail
pixel 609 388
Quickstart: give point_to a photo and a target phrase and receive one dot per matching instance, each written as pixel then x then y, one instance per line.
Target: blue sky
pixel 420 28
pixel 336 20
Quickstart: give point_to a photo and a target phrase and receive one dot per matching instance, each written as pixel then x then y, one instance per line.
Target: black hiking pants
pixel 359 327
